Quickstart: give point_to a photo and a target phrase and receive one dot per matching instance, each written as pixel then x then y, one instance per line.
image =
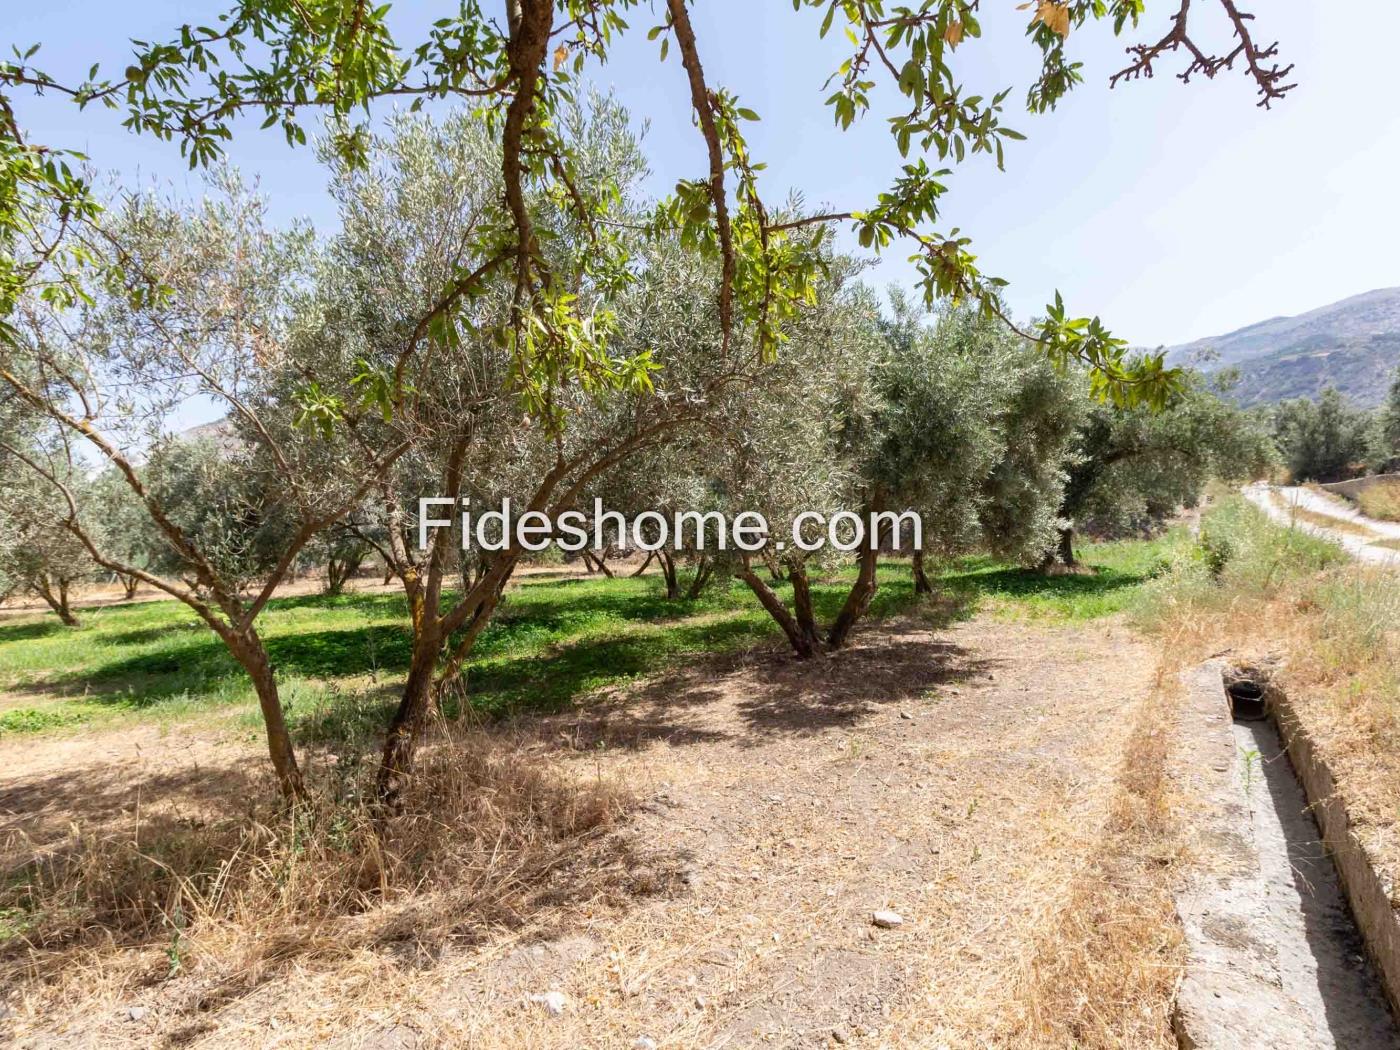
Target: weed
pixel 1252 760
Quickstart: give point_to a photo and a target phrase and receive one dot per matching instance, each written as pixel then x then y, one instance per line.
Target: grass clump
pixel 37 719
pixel 197 886
pixel 1381 501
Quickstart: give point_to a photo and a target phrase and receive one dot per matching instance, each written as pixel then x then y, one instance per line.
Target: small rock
pixel 554 1003
pixel 887 920
pixel 137 1013
pixel 906 714
pixel 838 1035
pixel 644 1042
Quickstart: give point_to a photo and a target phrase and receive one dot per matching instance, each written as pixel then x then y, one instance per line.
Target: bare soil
pixel 983 781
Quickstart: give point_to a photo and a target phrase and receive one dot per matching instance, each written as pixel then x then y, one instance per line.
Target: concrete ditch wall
pixel 1353 488
pixel 1273 957
pixel 1369 891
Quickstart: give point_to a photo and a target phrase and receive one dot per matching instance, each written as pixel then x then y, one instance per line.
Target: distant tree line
pixel 1330 439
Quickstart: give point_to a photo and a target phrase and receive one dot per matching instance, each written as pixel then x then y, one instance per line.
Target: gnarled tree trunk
pixel 668 573
pixel 858 600
pixel 1062 553
pixel 249 651
pixel 801 640
pixel 921 580
pixel 704 569
pixel 411 716
pixel 55 595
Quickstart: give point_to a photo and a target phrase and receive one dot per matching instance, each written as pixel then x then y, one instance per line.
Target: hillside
pixel 1353 345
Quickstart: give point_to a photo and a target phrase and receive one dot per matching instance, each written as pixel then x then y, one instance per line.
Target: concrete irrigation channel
pixel 1291 938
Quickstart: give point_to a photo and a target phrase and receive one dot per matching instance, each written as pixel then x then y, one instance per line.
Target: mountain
pixel 1353 345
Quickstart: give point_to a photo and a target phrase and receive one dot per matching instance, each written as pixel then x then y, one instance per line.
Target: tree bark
pixel 775 569
pixel 799 639
pixel 921 580
pixel 249 651
pixel 668 572
pixel 129 586
pixel 643 567
pixel 55 595
pixel 805 614
pixel 1067 547
pixel 597 562
pixel 406 727
pixel 858 600
pixel 704 569
pixel 339 571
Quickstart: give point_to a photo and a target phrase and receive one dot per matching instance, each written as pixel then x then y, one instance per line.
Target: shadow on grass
pixel 545 648
pixel 978 577
pixel 776 694
pixel 23 632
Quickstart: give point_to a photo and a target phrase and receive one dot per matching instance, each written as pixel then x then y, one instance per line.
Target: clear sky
pixel 1173 211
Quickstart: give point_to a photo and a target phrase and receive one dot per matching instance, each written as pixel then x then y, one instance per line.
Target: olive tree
pixel 1323 440
pixel 477 428
pixel 286 61
pixel 1388 422
pixel 206 310
pixel 880 420
pixel 38 555
pixel 1130 466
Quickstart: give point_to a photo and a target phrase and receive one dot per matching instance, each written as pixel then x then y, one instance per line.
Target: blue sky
pixel 1174 212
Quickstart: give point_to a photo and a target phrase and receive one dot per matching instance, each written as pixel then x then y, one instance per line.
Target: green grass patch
pixel 340 659
pixel 1115 576
pixel 37 719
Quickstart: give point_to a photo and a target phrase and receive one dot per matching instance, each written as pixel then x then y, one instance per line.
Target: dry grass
pixel 1335 627
pixel 488 835
pixel 1381 501
pixel 1103 971
pixel 1320 520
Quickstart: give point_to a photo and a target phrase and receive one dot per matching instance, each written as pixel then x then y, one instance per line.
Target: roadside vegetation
pixel 1328 626
pixel 1381 501
pixel 1330 439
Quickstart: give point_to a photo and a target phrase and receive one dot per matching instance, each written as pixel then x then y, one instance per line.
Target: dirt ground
pixel 969 779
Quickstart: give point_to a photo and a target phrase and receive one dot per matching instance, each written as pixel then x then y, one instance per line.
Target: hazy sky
pixel 1173 211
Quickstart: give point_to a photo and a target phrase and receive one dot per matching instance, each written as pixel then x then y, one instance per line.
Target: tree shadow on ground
pixel 747 697
pixel 23 632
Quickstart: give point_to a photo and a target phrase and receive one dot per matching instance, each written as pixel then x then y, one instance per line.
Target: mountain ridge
pixel 1352 344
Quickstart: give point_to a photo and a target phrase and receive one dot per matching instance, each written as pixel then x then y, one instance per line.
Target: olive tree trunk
pixel 55 595
pixel 248 649
pixel 921 580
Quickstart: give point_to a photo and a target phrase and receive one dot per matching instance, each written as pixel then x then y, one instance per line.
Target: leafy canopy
pixel 285 59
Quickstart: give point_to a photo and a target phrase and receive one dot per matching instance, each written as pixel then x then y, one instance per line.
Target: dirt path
pixel 962 778
pixel 1356 533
